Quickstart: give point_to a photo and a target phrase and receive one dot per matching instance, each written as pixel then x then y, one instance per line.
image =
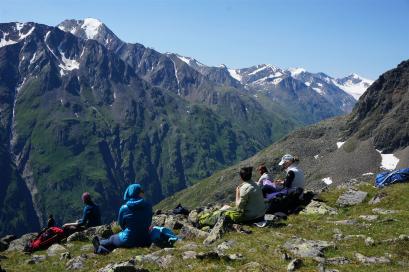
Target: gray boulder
pixel 76 263
pixel 351 197
pixel 225 246
pixel 35 259
pixel 316 207
pixel 307 248
pixel 369 218
pixel 384 211
pixel 56 249
pixel 217 232
pixel 338 261
pixel 103 231
pixel 189 232
pixel 77 236
pixel 189 255
pixel 371 260
pixel 193 217
pixel 21 242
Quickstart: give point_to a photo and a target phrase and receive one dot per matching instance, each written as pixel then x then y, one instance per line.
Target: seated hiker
pixel 135 218
pixel 294 178
pixel 91 216
pixel 267 186
pixel 249 203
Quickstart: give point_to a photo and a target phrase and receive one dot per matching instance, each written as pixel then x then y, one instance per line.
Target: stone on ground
pixel 307 248
pixel 20 243
pixel 372 260
pixel 218 230
pixel 351 197
pixel 317 207
pixel 56 249
pixel 122 267
pixel 189 232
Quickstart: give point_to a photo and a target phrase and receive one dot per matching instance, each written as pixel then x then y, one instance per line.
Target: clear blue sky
pixel 333 36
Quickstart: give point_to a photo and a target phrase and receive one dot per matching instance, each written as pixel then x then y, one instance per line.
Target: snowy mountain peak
pixel 353 84
pixel 296 71
pixel 91 27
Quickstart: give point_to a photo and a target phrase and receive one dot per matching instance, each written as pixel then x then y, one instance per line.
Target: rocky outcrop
pixel 351 197
pixel 307 248
pixel 20 243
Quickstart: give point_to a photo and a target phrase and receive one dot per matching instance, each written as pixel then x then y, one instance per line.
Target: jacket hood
pixel 132 192
pixel 135 203
pixel 132 198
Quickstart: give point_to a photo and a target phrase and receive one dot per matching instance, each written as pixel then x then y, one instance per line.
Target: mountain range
pixel 81 110
pixel 373 138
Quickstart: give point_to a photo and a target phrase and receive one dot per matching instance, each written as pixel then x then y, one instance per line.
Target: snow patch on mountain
pixel 5 40
pixel 296 71
pixel 233 73
pixel 91 27
pixel 389 161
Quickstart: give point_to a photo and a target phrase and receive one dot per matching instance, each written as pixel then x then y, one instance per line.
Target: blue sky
pixel 333 36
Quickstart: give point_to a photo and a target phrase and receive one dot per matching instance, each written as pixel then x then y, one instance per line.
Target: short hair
pixel 262 168
pixel 245 173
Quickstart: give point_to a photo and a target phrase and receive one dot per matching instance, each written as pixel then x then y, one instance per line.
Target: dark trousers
pixel 268 189
pixel 108 245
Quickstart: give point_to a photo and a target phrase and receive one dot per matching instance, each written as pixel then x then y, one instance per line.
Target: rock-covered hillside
pixel 352 227
pixel 373 138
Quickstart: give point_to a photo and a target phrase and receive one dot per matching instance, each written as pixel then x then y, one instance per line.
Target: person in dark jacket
pixel 91 216
pixel 135 218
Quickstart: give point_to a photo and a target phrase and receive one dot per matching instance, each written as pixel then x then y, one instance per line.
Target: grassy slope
pixel 261 246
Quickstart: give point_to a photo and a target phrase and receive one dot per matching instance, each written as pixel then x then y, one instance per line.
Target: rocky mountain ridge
pixel 373 138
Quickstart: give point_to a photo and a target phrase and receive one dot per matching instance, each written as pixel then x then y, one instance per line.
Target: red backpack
pixel 45 239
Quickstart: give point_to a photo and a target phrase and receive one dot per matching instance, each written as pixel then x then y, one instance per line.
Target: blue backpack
pixel 163 237
pixel 388 178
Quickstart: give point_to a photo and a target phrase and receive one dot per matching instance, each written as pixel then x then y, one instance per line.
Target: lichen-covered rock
pixel 78 236
pixel 35 259
pixel 189 255
pixel 351 197
pixel 307 248
pixel 189 232
pixel 337 261
pixel 217 232
pixel 384 211
pixel 316 207
pixel 20 243
pixel 76 263
pixel 372 260
pixel 225 246
pixel 56 249
pixel 370 217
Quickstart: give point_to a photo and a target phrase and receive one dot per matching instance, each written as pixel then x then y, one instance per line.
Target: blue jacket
pixel 91 216
pixel 135 218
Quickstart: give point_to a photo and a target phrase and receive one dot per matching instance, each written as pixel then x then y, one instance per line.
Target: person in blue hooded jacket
pixel 135 218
